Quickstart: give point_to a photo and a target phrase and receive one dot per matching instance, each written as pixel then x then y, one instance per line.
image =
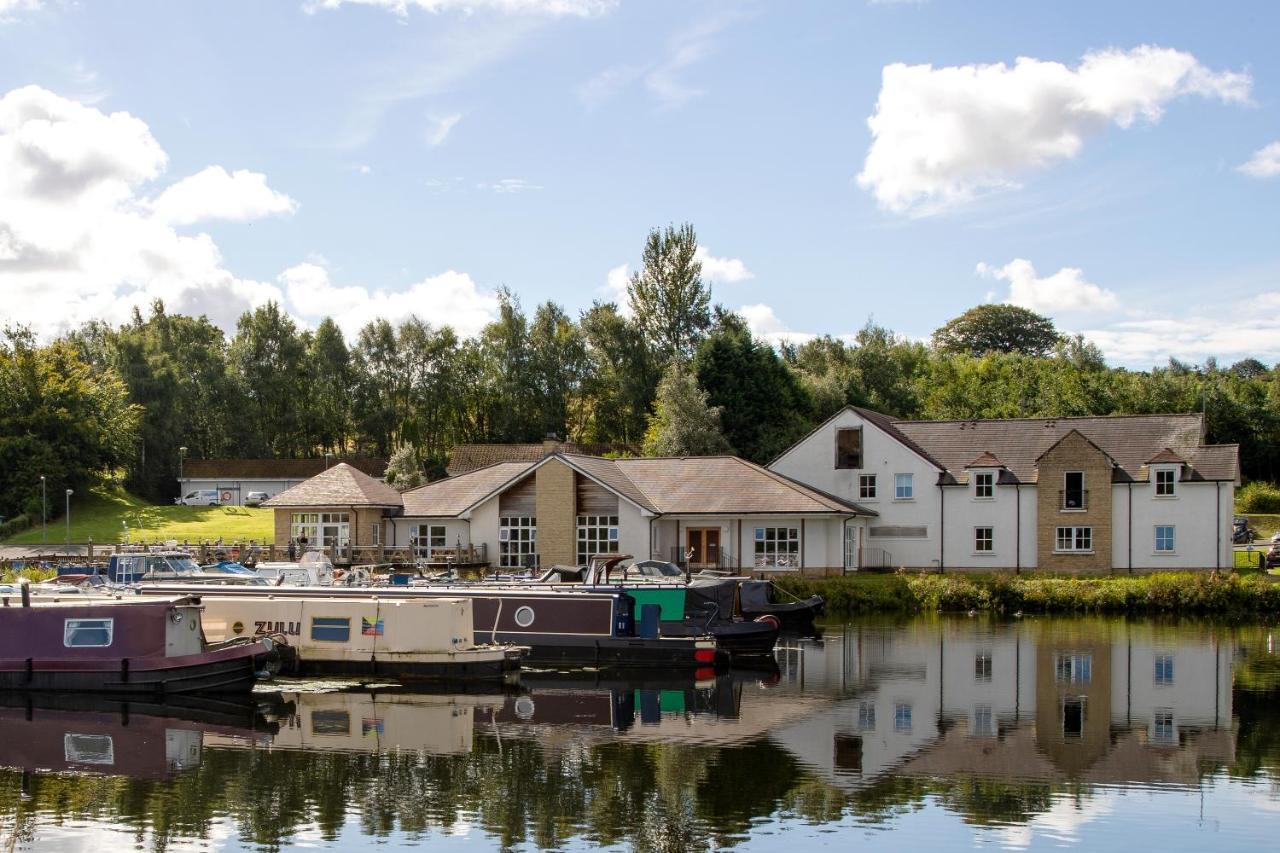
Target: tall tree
pixel 683 424
pixel 672 305
pixel 269 357
pixel 997 328
pixel 328 421
pixel 620 380
pixel 557 362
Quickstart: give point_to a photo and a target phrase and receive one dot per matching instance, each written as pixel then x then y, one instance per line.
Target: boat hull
pixel 229 670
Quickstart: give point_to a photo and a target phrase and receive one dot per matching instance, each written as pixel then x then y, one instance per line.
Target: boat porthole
pixel 524 616
pixel 237 628
pixel 524 708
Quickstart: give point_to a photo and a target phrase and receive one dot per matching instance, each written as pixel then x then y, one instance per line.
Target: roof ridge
pixel 1116 416
pixel 795 486
pixel 639 488
pixel 467 472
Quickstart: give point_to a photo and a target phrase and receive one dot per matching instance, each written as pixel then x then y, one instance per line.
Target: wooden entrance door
pixel 702 547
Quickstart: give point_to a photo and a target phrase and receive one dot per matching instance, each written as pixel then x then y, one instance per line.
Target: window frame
pixel 598 530
pixel 1072 539
pixel 1082 492
pixel 898 482
pixel 1172 483
pixel 984 481
pixel 766 550
pixel 989 540
pixel 334 624
pixel 1172 550
pixel 848 461
pixel 865 494
pixel 1163 670
pixel 513 549
pixel 69 626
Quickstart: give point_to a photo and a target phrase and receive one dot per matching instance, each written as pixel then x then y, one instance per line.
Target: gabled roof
pixel 694 485
pixel 469 457
pixel 985 460
pixel 340 486
pixel 273 469
pixel 1166 457
pixel 454 495
pixel 882 422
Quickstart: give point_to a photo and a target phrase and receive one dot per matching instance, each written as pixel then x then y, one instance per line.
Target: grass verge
pixel 104 512
pixel 1191 594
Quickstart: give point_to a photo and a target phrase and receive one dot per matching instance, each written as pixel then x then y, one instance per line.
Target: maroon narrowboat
pixel 122 645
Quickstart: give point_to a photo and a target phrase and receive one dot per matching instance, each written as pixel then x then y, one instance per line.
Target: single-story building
pixel 233 479
pixel 708 512
pixel 1080 494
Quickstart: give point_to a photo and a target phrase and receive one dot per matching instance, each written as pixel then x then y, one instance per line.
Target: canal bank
pixel 1179 593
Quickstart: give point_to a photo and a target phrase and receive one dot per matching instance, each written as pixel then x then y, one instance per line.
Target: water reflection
pixel 1003 724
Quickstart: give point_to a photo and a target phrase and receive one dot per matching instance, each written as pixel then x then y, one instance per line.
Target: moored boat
pixel 120 645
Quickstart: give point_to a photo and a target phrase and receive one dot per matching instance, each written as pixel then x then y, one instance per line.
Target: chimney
pixel 551 444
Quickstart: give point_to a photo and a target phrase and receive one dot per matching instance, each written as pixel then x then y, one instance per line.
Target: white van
pixel 200 497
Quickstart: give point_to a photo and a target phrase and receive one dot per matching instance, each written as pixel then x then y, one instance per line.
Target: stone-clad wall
pixel 1073 453
pixel 557 520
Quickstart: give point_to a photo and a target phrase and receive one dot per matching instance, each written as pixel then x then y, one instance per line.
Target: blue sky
pixel 397 156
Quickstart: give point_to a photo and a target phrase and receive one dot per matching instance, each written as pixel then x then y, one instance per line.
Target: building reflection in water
pixel 1034 699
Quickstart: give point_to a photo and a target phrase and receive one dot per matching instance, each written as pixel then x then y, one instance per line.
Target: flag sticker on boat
pixel 369 628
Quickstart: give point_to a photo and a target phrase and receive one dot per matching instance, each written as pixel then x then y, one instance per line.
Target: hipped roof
pixel 340 486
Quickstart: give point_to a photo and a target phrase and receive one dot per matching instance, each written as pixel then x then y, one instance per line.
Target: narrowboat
pixel 120 645
pixel 560 627
pixel 389 637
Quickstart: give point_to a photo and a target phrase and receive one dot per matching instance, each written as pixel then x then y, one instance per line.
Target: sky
pixel 1115 166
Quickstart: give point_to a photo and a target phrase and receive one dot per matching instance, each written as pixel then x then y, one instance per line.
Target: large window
pixel 1165 479
pixel 867 487
pixel 903 487
pixel 849 448
pixel 321 529
pixel 1164 539
pixel 901 717
pixel 984 540
pixel 1164 670
pixel 778 547
pixel 597 534
pixel 87 633
pixel 1073 494
pixel 429 538
pixel 1074 540
pixel 1073 668
pixel 517 542
pixel 984 485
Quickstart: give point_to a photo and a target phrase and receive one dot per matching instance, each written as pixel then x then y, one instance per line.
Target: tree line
pixel 676 374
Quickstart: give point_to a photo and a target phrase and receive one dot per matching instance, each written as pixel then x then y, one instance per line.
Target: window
pixel 597 534
pixel 984 485
pixel 88 749
pixel 321 529
pixel 982 667
pixel 849 448
pixel 1073 493
pixel 866 717
pixel 1073 713
pixel 1074 539
pixel 330 723
pixel 984 540
pixel 87 633
pixel 903 489
pixel 330 629
pixel 517 542
pixel 1164 539
pixel 429 538
pixel 1164 670
pixel 1162 730
pixel 898 531
pixel 778 547
pixel 377 533
pixel 902 717
pixel 867 487
pixel 1073 668
pixel 1164 482
pixel 983 721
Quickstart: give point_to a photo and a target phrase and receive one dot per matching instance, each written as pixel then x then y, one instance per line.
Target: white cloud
pixel 1064 291
pixel 941 136
pixel 508 185
pixel 440 128
pixel 727 270
pixel 764 323
pixel 215 193
pixel 448 299
pixel 9 9
pixel 554 8
pixel 1265 162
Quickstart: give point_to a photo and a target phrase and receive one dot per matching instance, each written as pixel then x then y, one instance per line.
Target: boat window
pixel 330 629
pixel 331 723
pixel 87 633
pixel 524 616
pixel 182 565
pixel 88 749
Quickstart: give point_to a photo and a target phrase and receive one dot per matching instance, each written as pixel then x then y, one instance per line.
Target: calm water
pixel 927 734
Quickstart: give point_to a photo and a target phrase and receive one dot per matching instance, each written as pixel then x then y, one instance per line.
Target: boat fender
pixel 770 619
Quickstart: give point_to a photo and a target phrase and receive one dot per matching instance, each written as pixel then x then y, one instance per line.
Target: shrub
pixel 17 524
pixel 1258 497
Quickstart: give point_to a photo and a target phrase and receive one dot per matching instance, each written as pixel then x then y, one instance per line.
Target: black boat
pixel 757 599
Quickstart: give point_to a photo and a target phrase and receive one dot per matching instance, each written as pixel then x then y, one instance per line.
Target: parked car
pixel 200 497
pixel 1241 532
pixel 255 498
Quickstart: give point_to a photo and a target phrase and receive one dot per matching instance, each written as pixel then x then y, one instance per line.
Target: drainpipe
pixel 1217 501
pixel 1130 533
pixel 1017 528
pixel 844 538
pixel 942 530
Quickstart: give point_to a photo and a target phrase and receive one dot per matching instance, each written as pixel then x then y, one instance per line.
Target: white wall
pixel 964 512
pixel 456 530
pixel 812 461
pixel 1199 512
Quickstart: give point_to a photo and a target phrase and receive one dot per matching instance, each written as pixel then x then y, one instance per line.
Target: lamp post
pixel 182 454
pixel 44 512
pixel 69 494
pixel 327 456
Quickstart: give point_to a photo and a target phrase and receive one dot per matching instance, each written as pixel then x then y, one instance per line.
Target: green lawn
pixel 1265 524
pixel 103 513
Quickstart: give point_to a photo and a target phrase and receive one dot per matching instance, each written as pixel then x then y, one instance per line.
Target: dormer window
pixel 984 485
pixel 849 447
pixel 1165 480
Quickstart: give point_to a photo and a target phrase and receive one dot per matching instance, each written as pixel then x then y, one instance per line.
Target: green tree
pixel 672 305
pixel 764 407
pixel 997 328
pixel 682 423
pixel 404 469
pixel 620 379
pixel 327 421
pixel 269 357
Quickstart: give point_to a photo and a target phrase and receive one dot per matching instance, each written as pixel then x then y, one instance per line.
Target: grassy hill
pixel 104 513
